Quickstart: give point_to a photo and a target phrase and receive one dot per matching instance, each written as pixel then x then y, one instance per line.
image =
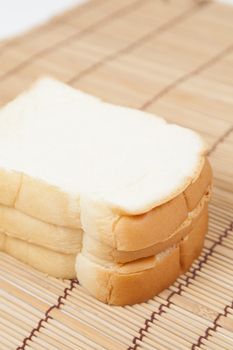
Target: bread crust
pixel 160 223
pixel 197 188
pixel 134 232
pixel 97 249
pixel 154 226
pixel 51 251
pixel 191 245
pixel 142 279
pixel 45 260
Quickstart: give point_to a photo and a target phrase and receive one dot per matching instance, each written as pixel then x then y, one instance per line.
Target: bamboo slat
pixel 172 58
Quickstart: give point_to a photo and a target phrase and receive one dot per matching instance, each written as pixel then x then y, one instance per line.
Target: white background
pixel 17 16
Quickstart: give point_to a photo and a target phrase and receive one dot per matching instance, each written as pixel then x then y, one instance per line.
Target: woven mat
pixel 173 58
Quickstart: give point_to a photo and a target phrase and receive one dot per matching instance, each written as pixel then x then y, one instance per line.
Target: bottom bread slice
pixel 140 280
pixel 53 263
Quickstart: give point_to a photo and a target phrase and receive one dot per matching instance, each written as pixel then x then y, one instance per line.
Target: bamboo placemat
pixel 173 58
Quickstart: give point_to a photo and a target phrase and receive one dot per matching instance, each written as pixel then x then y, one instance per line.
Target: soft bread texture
pixel 48 203
pixel 18 225
pixel 45 260
pixel 140 280
pixel 125 172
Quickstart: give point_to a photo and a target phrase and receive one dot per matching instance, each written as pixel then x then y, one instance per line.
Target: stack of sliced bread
pixel 112 195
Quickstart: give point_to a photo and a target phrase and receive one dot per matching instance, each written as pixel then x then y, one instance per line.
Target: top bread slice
pixel 71 160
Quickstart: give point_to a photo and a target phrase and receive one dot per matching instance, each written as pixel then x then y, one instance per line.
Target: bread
pixel 18 225
pixel 45 260
pixel 105 252
pixel 52 249
pixel 140 280
pixel 124 173
pixel 117 187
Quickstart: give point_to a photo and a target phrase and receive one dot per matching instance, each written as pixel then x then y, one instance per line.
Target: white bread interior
pixel 45 260
pixel 48 179
pixel 18 225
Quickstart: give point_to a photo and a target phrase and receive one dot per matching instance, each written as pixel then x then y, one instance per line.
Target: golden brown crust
pixel 196 189
pixel 123 257
pixel 140 280
pixel 141 231
pixel 105 252
pixel 101 251
pixel 127 289
pixel 191 246
pixel 183 231
pixel 160 223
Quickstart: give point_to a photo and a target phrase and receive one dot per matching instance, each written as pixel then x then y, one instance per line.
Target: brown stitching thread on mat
pixel 188 280
pixel 77 35
pixel 148 321
pixel 207 255
pixel 60 302
pixel 137 43
pixel 213 328
pixel 187 76
pixel 220 140
pixel 226 312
